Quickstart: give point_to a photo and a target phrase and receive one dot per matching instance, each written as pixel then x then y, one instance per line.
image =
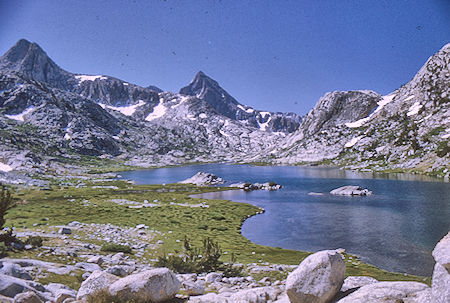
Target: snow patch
pixel 353 141
pixel 203 116
pixel 264 114
pixel 83 78
pixel 126 84
pixel 158 111
pixel 264 125
pixel 67 136
pixel 125 110
pixel 414 109
pixel 248 110
pixel 409 98
pixel 5 167
pixel 20 117
pixel 386 99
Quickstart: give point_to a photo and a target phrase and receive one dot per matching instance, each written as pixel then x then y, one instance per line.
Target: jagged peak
pixel 21 50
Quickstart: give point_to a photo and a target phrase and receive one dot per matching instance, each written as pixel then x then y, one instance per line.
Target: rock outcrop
pixel 383 292
pixel 351 190
pixel 202 179
pixel 317 279
pixel 97 281
pixel 441 273
pixel 156 285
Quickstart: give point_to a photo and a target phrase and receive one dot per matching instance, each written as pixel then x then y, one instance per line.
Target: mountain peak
pixel 20 51
pixel 31 61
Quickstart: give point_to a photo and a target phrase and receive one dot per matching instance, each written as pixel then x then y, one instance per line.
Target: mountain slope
pixel 49 115
pixel 408 129
pixel 205 88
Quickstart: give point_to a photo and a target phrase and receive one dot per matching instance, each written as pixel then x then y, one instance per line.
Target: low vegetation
pixel 116 248
pixel 176 219
pixel 204 260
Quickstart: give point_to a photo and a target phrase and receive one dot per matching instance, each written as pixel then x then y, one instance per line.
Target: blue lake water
pixel 395 229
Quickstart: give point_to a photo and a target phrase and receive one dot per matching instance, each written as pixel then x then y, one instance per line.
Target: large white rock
pixel 389 292
pixel 202 178
pixel 441 275
pixel 351 190
pixel 154 285
pixel 97 281
pixel 441 252
pixel 440 285
pixel 317 279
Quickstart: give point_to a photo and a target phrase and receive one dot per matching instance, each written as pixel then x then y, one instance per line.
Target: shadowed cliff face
pixel 207 89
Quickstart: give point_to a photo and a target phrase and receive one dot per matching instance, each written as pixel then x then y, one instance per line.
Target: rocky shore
pixel 321 277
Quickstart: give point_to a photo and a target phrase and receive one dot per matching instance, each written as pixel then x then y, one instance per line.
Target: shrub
pixel 35 241
pixel 194 260
pixel 3 250
pixel 116 248
pixel 5 204
pixel 443 149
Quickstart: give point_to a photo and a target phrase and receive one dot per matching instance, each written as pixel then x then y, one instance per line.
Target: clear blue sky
pixel 275 55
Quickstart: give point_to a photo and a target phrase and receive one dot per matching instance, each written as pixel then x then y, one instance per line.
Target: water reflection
pixel 395 229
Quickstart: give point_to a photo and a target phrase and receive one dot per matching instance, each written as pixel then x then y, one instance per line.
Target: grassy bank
pixel 172 215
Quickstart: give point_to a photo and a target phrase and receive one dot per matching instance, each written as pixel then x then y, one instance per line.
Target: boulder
pixel 11 286
pixel 193 288
pixel 118 270
pixel 96 259
pixel 64 231
pixel 27 297
pixel 214 277
pixel 156 285
pixel 317 279
pixel 54 288
pixel 351 190
pixel 89 267
pixel 389 292
pixel 97 281
pixel 353 282
pixel 441 275
pixel 256 295
pixel 202 178
pixel 14 270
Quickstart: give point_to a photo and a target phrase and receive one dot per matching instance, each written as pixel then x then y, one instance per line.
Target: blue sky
pixel 273 55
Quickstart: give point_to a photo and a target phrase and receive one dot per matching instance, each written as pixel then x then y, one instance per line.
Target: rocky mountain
pixel 51 118
pixel 408 129
pixel 205 88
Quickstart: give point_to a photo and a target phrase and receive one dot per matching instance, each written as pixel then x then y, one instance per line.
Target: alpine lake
pixel 394 229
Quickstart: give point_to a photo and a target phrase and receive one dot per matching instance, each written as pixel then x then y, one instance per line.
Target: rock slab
pixel 317 279
pixel 351 190
pixel 441 274
pixel 389 292
pixel 156 285
pixel 97 281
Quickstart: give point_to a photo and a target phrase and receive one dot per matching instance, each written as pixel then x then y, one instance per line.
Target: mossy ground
pixel 221 221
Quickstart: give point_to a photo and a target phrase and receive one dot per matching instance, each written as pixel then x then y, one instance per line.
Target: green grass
pixel 221 221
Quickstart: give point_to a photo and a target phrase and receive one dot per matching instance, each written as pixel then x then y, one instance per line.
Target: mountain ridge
pixel 49 116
